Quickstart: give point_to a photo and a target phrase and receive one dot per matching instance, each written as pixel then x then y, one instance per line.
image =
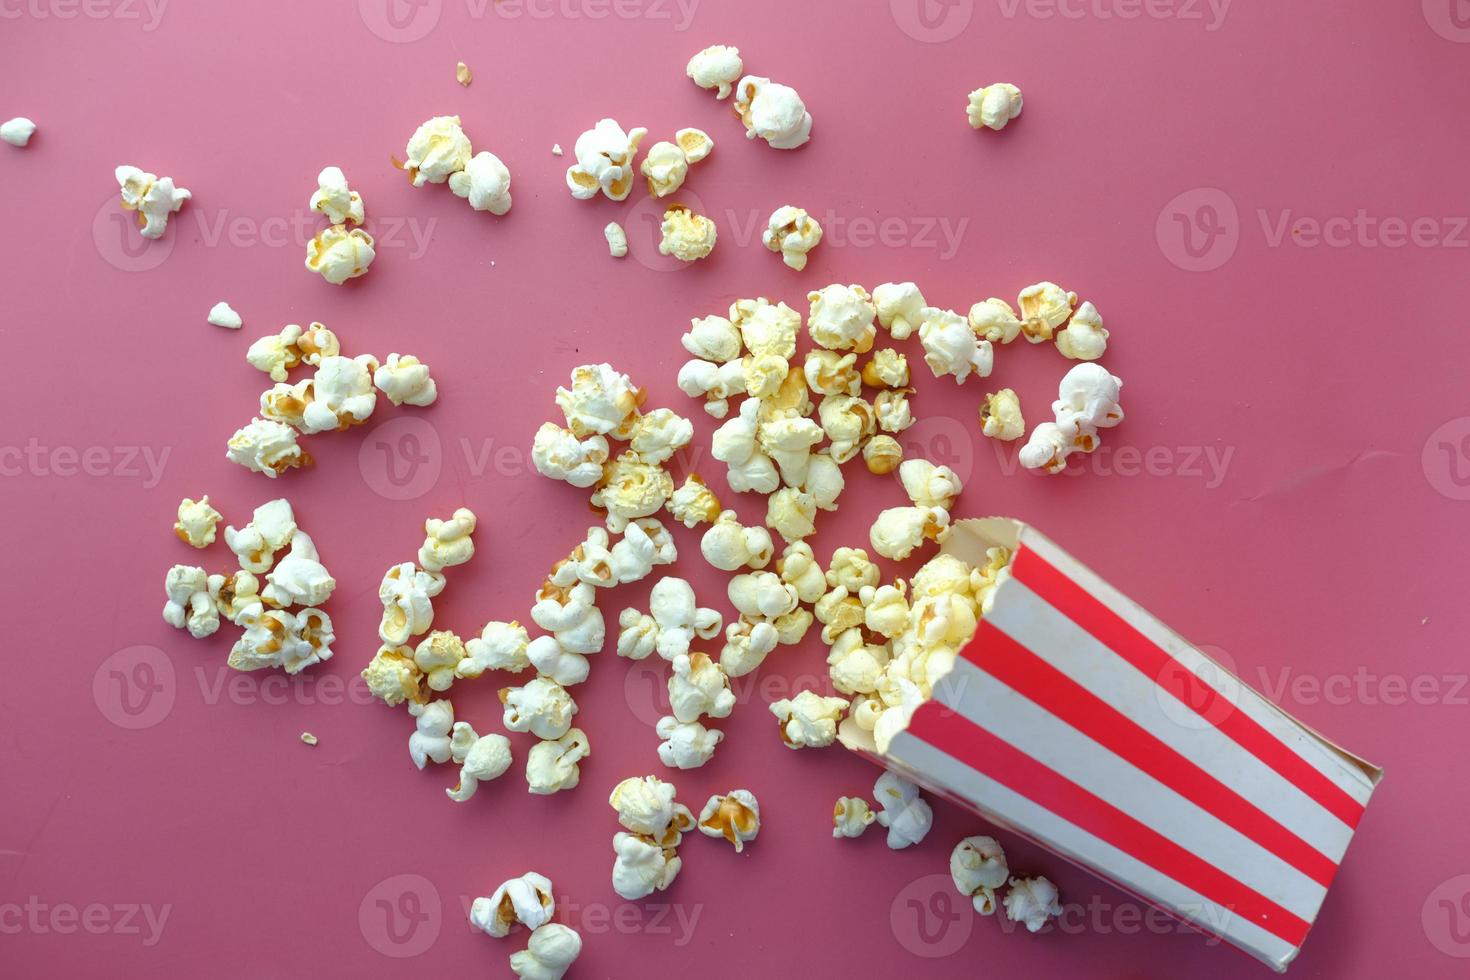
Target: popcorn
pixel 718 67
pixel 678 619
pixel 189 604
pixel 809 720
pixel 571 615
pixel 832 373
pixel 270 529
pixel 500 646
pixel 645 805
pixel 484 182
pixel 617 239
pixel 885 609
pixel 693 503
pixel 407 594
pixel 276 638
pixel 196 522
pixel 314 344
pixel 600 401
pixel 665 166
pixel 792 233
pixel 528 900
pixel 1031 901
pixel 736 816
pixel 798 568
pixel 645 543
pixel 766 328
pixel 1087 401
pixel 712 338
pixel 153 197
pixel 462 74
pixel 308 738
pixel 736 445
pixel 222 315
pixel 855 667
pixel 604 161
pixel 687 236
pixel 299 579
pixel 1000 416
pixel 1046 449
pixel 698 686
pixel 695 143
pixel 275 354
pixel 761 596
pixel 882 454
pixel 485 758
pixel 951 346
pixel 899 530
pixel 714 382
pixel 639 634
pixel 552 766
pixel 887 368
pixel 642 866
pixel 747 645
pixel 342 394
pixel 430 739
pixel 891 409
pixel 729 545
pixel 842 318
pixel 266 446
pixel 1044 307
pixel 995 321
pixel 824 480
pixel 406 381
pixel 555 662
pixel 900 308
pixel 848 421
pixel 851 569
pixel 905 814
pixel 448 543
pixel 659 434
pixel 839 611
pixel 393 677
pixel 541 707
pixel 994 105
pixel 18 131
pixel 792 513
pixel 851 816
pixel 552 951
pixel 773 112
pixel 437 657
pixel 335 200
pixel 560 455
pixel 339 254
pixel 237 596
pixel 928 485
pixel 436 150
pixel 978 867
pixel 1084 339
pixel 685 745
pixel 632 488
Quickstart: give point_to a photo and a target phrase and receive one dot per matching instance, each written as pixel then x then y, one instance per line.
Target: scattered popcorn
pixel 527 900
pixel 153 197
pixel 1044 307
pixel 994 106
pixel 484 182
pixel 407 594
pixel 677 621
pixel 687 236
pixel 887 368
pixel 1084 339
pixel 951 346
pixel 1031 901
pixel 552 950
pixel 436 150
pixel 928 485
pixel 552 765
pixel 334 200
pixel 851 816
pixel 792 233
pixel 299 579
pixel 1087 401
pixel 481 757
pixel 729 545
pixel 656 436
pixel 809 720
pixel 685 745
pixel 276 638
pixel 339 254
pixel 693 503
pixel 600 401
pixel 995 321
pixel 189 604
pixel 698 686
pixel 978 867
pixel 196 522
pixel 463 75
pixel 308 738
pixel 766 328
pixel 716 383
pixel 500 646
pixel 773 112
pixel 221 315
pixel 900 307
pixel 276 354
pixel 718 67
pixel 604 161
pixel 736 816
pixel 541 707
pixel 842 318
pixel 430 739
pixel 642 866
pixel 905 814
pixel 448 543
pixel 18 131
pixel 266 446
pixel 270 529
pixel 617 239
pixel 852 569
pixel 1047 449
pixel 1000 416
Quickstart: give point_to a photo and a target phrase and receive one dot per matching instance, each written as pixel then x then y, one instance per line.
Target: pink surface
pixel 1290 486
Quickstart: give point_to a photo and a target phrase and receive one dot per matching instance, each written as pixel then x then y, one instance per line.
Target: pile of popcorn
pixel 654 824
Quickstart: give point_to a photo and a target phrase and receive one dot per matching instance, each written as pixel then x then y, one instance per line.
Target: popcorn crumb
pixel 556 149
pixel 17 131
pixel 617 239
pixel 221 315
pixel 308 738
pixel 463 75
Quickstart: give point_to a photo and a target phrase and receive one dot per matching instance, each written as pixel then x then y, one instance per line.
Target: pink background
pixel 1326 561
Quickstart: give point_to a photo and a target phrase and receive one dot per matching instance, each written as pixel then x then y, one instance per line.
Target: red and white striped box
pixel 1080 721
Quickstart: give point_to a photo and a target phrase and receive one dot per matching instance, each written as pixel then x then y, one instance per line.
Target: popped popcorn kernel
pixel 993 106
pixel 716 67
pixel 792 233
pixel 736 817
pixel 687 236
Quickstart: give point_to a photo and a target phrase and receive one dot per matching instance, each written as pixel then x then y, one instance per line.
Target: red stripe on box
pixel 996 759
pixel 1011 663
pixel 1114 632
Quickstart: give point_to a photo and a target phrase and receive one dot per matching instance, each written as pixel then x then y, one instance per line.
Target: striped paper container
pixel 1078 720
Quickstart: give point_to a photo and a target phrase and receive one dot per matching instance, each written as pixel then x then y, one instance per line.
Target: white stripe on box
pixel 1031 621
pixel 1088 851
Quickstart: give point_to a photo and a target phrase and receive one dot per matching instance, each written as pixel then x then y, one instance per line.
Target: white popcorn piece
pixel 1031 901
pixel 900 308
pixel 237 596
pixel 951 346
pixel 617 239
pixel 430 741
pixel 631 488
pixel 851 569
pixel 392 676
pixel 906 815
pixel 555 662
pixel 18 131
pixel 335 200
pixel 882 454
pixel 196 523
pixel 154 198
pixel 222 314
pixel 604 161
pixel 762 596
pixel 1000 416
pixel 687 236
pixel 928 485
pixel 993 106
pixel 406 381
pixel 685 745
pixel 527 900
pixel 842 318
pixel 736 444
pixel 736 817
pixel 799 569
pixel 1088 400
pixel 541 707
pixel 645 805
pixel 892 410
pixel 552 951
pixel 716 383
pixel 438 149
pixel 646 544
pixel 570 613
pixel 887 368
pixel 1046 449
pixel 666 167
pixel 482 758
pixel 729 545
pixel 789 443
pixel 712 338
pixel 717 67
pixel 559 454
pixel 407 594
pixel 438 657
pixel 655 437
pixel 809 720
pixel 831 373
pixel 342 394
pixel 276 354
pixel 484 182
pixel 1044 307
pixel 500 646
pixel 190 605
pixel 638 635
pixel 270 529
pixel 773 112
pixel 277 638
pixel 851 816
pixel 839 611
pixel 339 254
pixel 978 867
pixel 1084 339
pixel 552 766
pixel 601 401
pixel 698 686
pixel 885 609
pixel 694 503
pixel 299 579
pixel 678 618
pixel 695 143
pixel 642 866
pixel 854 666
pixel 792 513
pixel 448 543
pixel 766 327
pixel 747 644
pixel 848 422
pixel 824 480
pixel 995 321
pixel 792 233
pixel 899 530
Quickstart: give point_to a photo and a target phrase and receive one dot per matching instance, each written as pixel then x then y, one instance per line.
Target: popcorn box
pixel 1081 722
